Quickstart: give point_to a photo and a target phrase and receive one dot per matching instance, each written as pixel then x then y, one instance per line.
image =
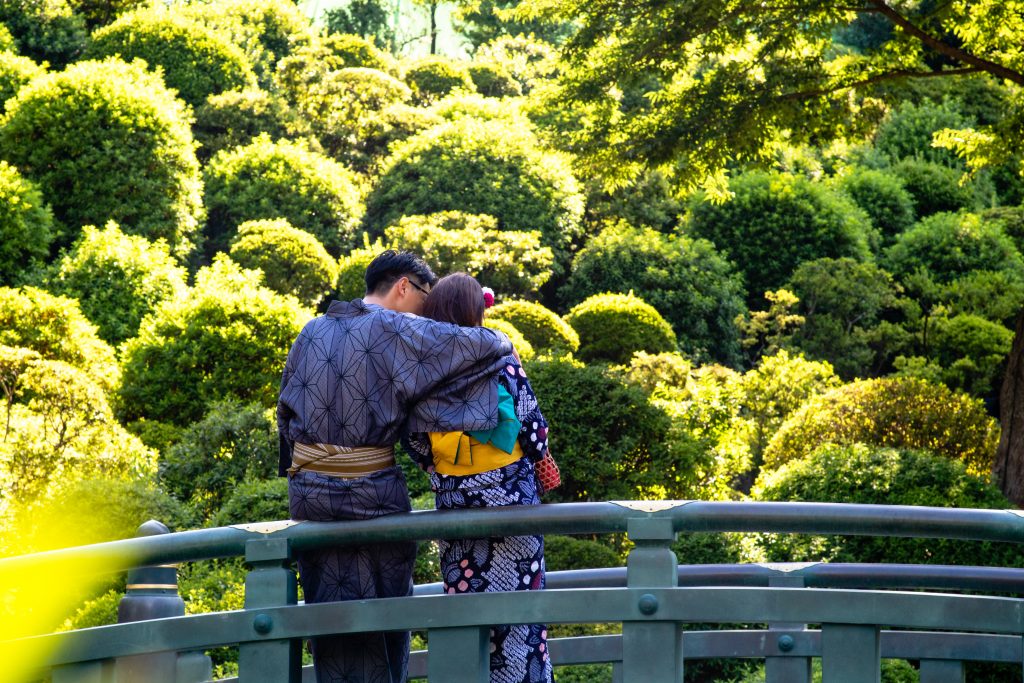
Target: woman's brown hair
pixel 456 298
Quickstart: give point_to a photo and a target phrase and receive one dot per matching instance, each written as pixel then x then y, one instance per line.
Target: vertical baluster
pixel 786 669
pixel 270 583
pixel 86 672
pixel 652 651
pixel 459 655
pixel 942 671
pixel 850 654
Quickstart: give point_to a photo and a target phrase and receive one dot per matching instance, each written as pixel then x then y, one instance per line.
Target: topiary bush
pixel 107 141
pixel 15 72
pixel 118 279
pixel 971 351
pixel 262 500
pixel 519 343
pixel 546 332
pixel 293 261
pixel 45 30
pixel 512 263
pixel 612 327
pixel 494 80
pixel 565 553
pixel 431 78
pixel 194 60
pixel 907 131
pixel 859 473
pixel 26 226
pixel 530 61
pixel 226 339
pixel 266 180
pixel 882 197
pixel 351 282
pixel 481 167
pixel 234 118
pixel 933 187
pixel 893 411
pixel 356 51
pixel 686 280
pixel 233 443
pixel 775 222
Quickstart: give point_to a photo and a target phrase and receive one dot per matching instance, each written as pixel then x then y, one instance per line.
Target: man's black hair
pixel 390 266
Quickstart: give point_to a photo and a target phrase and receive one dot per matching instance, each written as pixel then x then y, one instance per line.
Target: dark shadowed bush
pixel 45 30
pixel 494 80
pixel 234 118
pixel 431 78
pixel 933 187
pixel 883 198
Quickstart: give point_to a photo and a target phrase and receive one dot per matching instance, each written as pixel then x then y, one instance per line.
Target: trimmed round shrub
pixel 254 501
pixel 775 222
pixel 893 411
pixel 907 131
pixel 107 141
pixel 546 332
pixel 463 105
pixel 232 119
pixel 859 473
pixel 431 78
pixel 293 261
pixel 883 198
pixel 118 279
pixel 686 280
pixel 233 443
pixel 195 61
pixel 971 352
pixel 54 327
pixel 528 59
pixel 564 553
pixel 949 246
pixel 15 72
pixel 226 339
pixel 519 343
pixel 933 187
pixel 355 51
pixel 351 282
pixel 494 80
pixel 612 327
pixel 481 167
pixel 26 226
pixel 266 180
pixel 511 263
pixel 45 30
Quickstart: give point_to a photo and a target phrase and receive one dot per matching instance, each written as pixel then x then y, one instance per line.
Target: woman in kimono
pixel 487 469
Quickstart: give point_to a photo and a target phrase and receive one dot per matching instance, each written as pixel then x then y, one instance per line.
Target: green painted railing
pixel 652 598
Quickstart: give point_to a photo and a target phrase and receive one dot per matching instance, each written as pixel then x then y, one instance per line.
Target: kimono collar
pixel 338 309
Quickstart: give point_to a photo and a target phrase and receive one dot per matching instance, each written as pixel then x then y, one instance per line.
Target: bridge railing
pixel 652 597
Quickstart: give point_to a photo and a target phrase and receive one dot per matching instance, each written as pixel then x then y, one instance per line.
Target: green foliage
pixel 882 197
pixel 267 180
pixel 907 131
pixel 293 261
pixel 15 72
pixel 971 352
pixel 494 80
pixel 234 118
pixel 233 443
pixel 775 222
pixel 431 78
pixel 352 271
pixel 54 327
pixel 107 141
pixel 563 553
pixel 194 60
pixel 7 42
pixel 99 13
pixel 934 188
pixel 649 370
pixel 365 18
pixel 648 201
pixel 864 474
pixel 846 305
pixel 512 263
pixel 896 412
pixel 707 548
pixel 482 167
pixel 484 21
pixel 26 225
pixel 354 51
pixel 611 327
pixel 45 30
pixel 227 338
pixel 528 59
pixel 609 440
pixel 996 296
pixel 950 246
pixel 519 343
pixel 99 611
pixel 685 279
pixel 254 501
pixel 118 279
pixel 546 332
pixel 765 332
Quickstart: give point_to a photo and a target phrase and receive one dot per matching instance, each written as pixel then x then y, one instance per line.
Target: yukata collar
pixel 356 306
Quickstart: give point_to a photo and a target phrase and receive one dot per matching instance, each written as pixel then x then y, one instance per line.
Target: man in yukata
pixel 351 381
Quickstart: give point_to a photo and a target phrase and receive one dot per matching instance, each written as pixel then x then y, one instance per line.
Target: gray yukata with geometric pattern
pixel 360 375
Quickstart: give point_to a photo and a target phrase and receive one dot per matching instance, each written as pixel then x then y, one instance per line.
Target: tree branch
pixel 945 48
pixel 879 78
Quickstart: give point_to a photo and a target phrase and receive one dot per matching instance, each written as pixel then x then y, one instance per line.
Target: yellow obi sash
pixel 463 453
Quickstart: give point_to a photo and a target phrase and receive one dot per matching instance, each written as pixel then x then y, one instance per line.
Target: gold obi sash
pixel 341 461
pixel 458 453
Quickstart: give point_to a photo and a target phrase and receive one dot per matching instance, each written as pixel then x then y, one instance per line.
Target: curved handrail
pixel 571 518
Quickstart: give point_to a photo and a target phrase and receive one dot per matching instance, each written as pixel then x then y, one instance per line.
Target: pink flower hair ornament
pixel 488 297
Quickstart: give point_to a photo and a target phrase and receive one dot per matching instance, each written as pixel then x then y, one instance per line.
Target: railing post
pixel 152 593
pixel 942 671
pixel 850 654
pixel 270 583
pixel 85 672
pixel 459 655
pixel 652 651
pixel 786 669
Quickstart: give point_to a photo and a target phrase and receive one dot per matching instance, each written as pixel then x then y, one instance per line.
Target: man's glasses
pixel 426 292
